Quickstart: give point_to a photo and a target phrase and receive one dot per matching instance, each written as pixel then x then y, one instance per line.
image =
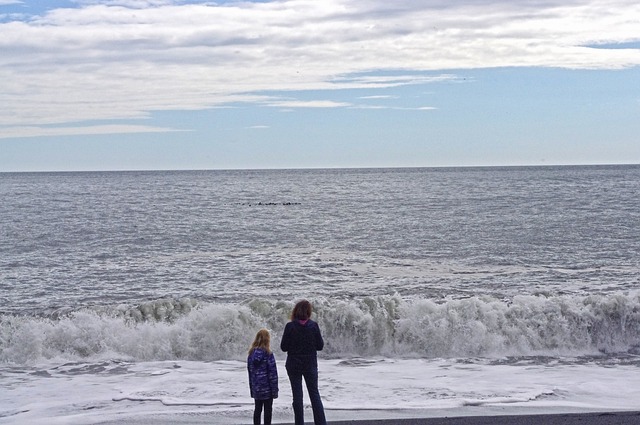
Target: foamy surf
pixel 84 393
pixel 378 326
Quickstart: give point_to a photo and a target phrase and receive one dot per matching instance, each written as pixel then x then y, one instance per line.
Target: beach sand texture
pixel 604 418
pixel 590 418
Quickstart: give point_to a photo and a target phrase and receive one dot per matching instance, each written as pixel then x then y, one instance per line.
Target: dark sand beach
pixel 604 418
pixel 590 418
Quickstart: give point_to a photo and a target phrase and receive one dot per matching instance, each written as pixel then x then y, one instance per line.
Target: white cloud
pixel 8 2
pixel 307 104
pixel 128 58
pixel 378 97
pixel 134 4
pixel 384 81
pixel 397 108
pixel 11 132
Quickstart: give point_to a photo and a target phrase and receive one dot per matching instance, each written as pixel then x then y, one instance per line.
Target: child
pixel 263 376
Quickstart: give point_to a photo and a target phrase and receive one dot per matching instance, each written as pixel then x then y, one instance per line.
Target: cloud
pixel 384 81
pixel 378 97
pixel 8 2
pixel 307 104
pixel 132 4
pixel 11 132
pixel 396 108
pixel 125 59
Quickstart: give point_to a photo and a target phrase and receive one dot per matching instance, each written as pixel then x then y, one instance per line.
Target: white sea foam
pixel 387 326
pixel 117 392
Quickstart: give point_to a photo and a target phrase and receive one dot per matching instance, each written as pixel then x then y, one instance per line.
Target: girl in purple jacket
pixel 263 376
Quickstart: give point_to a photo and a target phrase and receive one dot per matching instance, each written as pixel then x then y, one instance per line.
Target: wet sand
pixel 604 418
pixel 591 418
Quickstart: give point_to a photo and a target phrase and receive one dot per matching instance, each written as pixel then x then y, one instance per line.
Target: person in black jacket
pixel 301 340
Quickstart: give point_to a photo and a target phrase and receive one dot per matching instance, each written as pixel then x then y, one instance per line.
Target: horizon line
pixel 145 170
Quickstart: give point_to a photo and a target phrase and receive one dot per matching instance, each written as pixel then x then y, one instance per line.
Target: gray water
pixel 362 243
pixel 72 239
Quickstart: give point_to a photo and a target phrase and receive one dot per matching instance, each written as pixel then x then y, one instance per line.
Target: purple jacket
pixel 263 375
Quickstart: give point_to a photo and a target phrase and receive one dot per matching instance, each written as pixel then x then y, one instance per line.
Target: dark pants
pixel 268 409
pixel 310 375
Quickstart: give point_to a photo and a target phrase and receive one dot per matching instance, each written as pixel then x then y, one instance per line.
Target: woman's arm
pixel 286 341
pixel 318 338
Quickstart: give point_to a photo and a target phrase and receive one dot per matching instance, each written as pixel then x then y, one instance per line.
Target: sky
pixel 175 84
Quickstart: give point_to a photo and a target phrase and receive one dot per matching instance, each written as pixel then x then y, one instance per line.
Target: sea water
pixel 133 295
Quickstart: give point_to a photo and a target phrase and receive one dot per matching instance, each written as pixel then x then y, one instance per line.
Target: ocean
pixel 126 296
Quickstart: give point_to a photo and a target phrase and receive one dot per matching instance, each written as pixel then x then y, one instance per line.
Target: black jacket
pixel 301 343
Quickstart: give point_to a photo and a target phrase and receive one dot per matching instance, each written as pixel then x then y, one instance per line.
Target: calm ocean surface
pixel 519 264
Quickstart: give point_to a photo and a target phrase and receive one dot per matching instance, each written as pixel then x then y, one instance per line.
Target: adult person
pixel 301 340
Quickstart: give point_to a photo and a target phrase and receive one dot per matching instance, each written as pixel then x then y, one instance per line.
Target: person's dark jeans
pixel 311 379
pixel 268 409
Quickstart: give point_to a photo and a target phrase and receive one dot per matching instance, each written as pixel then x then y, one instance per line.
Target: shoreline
pixel 450 417
pixel 591 418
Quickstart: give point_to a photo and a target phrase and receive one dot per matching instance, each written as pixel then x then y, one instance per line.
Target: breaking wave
pixel 387 326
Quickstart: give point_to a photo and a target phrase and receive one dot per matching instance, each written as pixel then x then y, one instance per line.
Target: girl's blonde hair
pixel 262 340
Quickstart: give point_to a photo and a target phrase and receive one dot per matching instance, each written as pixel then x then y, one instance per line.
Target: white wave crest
pixel 388 326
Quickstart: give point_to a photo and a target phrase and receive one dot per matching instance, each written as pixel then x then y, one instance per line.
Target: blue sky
pixel 162 84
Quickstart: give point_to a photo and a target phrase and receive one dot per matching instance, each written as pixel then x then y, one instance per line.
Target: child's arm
pixel 249 370
pixel 273 375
